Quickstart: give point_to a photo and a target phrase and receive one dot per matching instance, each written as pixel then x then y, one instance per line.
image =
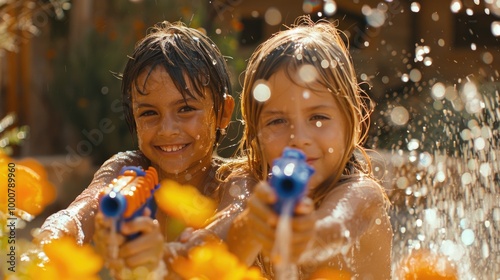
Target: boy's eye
pixel 147 113
pixel 187 109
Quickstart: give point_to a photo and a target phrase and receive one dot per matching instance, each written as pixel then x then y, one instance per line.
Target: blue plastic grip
pixel 290 175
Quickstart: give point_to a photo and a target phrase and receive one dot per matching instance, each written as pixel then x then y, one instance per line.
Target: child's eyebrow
pixel 180 101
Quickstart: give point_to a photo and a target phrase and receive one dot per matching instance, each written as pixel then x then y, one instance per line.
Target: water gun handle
pixel 129 195
pixel 290 175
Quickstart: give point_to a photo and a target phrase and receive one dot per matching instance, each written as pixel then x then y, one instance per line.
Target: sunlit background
pixel 431 66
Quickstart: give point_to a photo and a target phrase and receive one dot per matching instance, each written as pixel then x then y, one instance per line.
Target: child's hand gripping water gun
pixel 290 174
pixel 128 195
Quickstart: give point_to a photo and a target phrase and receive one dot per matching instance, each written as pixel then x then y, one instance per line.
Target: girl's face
pixel 309 120
pixel 177 136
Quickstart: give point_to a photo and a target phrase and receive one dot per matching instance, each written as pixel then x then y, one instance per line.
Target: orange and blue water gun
pixel 128 195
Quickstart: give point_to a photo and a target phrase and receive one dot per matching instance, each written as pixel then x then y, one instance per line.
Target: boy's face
pixel 311 121
pixel 176 135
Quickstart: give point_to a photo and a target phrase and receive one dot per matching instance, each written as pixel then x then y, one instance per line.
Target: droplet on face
pixel 261 91
pixel 319 124
pixel 308 73
pixel 330 150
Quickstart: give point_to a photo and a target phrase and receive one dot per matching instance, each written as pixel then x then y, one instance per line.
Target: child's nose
pixel 299 136
pixel 169 126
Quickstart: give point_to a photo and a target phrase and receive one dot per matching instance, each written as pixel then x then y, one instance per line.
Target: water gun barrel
pixel 290 175
pixel 113 205
pixel 129 194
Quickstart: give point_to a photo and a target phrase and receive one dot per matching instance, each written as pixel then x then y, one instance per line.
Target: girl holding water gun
pixel 300 91
pixel 176 95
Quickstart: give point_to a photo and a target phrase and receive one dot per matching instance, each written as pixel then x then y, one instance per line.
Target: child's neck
pixel 201 176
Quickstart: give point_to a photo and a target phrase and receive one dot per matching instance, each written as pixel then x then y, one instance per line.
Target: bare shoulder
pixel 360 187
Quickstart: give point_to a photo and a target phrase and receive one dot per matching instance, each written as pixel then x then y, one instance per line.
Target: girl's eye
pixel 275 122
pixel 319 117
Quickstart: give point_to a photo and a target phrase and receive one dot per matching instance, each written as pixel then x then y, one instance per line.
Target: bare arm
pixel 353 229
pixel 77 220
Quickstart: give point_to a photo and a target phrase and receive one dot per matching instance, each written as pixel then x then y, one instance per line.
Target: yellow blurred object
pixel 213 261
pixel 425 265
pixel 185 203
pixel 67 260
pixel 328 273
pixel 24 185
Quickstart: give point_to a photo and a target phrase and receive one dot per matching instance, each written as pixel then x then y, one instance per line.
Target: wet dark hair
pixel 183 52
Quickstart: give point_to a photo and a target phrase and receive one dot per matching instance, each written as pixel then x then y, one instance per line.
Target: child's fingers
pixel 261 211
pixel 265 193
pixel 143 224
pixel 304 223
pixel 261 227
pixel 305 206
pixel 186 234
pixel 145 259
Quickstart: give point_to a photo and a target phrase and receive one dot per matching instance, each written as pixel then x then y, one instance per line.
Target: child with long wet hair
pixel 300 91
pixel 177 100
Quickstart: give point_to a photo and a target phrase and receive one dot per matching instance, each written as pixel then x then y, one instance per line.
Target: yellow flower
pixel 425 265
pixel 213 261
pixel 67 260
pixel 185 202
pixel 27 185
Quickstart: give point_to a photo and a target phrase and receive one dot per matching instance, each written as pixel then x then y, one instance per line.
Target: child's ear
pixel 228 111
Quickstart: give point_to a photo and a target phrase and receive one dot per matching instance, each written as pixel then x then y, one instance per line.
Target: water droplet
pixel 261 91
pixel 456 6
pixel 319 124
pixel 399 115
pixel 495 28
pixel 272 16
pixel 330 7
pixel 435 16
pixel 415 7
pixel 466 178
pixel 402 183
pixel 325 63
pixel 467 237
pixel 308 73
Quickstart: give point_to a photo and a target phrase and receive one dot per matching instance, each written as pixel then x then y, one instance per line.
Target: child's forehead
pixel 159 80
